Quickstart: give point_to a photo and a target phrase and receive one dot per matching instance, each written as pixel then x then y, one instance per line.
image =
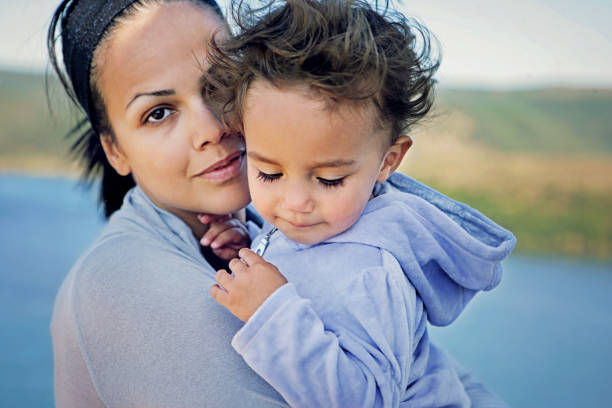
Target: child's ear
pixel 394 157
pixel 115 157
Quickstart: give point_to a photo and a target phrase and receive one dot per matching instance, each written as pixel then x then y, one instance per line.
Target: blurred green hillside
pixel 31 138
pixel 538 162
pixel 547 121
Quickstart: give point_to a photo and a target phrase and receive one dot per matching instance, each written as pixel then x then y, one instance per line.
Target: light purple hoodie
pixel 350 327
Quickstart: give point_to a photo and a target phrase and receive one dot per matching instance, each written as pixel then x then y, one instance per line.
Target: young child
pixel 356 259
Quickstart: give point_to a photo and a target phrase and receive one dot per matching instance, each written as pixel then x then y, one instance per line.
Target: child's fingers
pixel 219 295
pixel 250 257
pixel 223 278
pixel 237 266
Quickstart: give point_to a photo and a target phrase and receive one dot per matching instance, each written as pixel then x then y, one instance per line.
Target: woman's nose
pixel 205 128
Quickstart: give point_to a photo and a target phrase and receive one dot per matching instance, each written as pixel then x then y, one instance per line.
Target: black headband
pixel 83 25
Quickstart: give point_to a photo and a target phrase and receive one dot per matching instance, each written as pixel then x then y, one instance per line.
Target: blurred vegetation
pixel 33 135
pixel 569 223
pixel 537 162
pixel 550 121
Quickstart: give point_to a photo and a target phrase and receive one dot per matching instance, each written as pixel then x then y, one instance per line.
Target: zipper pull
pixel 263 243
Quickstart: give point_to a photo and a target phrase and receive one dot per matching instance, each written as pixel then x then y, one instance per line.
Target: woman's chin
pixel 226 202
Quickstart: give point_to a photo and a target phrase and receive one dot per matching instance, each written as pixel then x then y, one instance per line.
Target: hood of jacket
pixel 447 250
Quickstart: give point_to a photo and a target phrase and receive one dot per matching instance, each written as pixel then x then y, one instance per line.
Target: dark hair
pixel 69 22
pixel 345 50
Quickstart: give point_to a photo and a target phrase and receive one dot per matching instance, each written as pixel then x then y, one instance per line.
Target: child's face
pixel 311 170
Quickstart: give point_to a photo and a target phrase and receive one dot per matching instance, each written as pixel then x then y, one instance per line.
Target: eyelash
pixel 269 178
pixel 331 183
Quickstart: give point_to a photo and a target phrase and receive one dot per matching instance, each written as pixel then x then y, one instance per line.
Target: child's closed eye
pixel 268 178
pixel 331 183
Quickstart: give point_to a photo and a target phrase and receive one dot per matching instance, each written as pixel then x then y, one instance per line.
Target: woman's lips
pixel 225 169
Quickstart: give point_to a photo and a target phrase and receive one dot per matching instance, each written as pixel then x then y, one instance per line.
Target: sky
pixel 484 43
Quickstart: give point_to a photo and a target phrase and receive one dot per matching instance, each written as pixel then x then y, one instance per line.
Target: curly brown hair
pixel 345 50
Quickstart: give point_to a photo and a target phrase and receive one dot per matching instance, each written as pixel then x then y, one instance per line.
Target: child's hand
pixel 225 235
pixel 252 282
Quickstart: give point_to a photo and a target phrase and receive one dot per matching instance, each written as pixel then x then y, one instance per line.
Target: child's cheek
pixel 263 203
pixel 349 208
pixel 344 214
pixel 259 193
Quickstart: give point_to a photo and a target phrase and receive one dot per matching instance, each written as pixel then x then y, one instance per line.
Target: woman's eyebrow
pixel 163 92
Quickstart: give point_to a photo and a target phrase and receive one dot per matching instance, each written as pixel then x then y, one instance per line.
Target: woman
pixel 133 324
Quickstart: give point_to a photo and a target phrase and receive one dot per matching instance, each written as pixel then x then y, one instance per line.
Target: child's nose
pixel 297 199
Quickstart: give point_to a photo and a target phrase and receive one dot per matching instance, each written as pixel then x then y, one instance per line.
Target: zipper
pixel 263 243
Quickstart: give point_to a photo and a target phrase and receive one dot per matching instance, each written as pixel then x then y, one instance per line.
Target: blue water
pixel 539 340
pixel 44 225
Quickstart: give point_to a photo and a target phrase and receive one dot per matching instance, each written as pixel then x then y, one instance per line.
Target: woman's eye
pixel 331 183
pixel 158 114
pixel 265 177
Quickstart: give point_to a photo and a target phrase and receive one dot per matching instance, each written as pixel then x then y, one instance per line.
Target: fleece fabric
pixel 350 327
pixel 135 326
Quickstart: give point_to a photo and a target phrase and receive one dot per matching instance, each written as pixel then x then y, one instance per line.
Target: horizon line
pixel 442 83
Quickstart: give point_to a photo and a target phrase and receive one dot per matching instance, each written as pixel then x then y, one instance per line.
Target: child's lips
pixel 300 225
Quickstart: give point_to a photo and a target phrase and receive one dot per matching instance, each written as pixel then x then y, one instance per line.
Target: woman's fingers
pixel 228 242
pixel 226 253
pixel 211 218
pixel 231 237
pixel 217 228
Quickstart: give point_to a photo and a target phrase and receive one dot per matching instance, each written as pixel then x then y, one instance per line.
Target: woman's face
pixel 150 78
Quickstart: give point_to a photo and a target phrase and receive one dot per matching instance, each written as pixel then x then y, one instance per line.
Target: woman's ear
pixel 115 156
pixel 394 157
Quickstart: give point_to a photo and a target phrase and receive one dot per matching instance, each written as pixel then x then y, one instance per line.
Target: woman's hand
pixel 252 281
pixel 225 236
